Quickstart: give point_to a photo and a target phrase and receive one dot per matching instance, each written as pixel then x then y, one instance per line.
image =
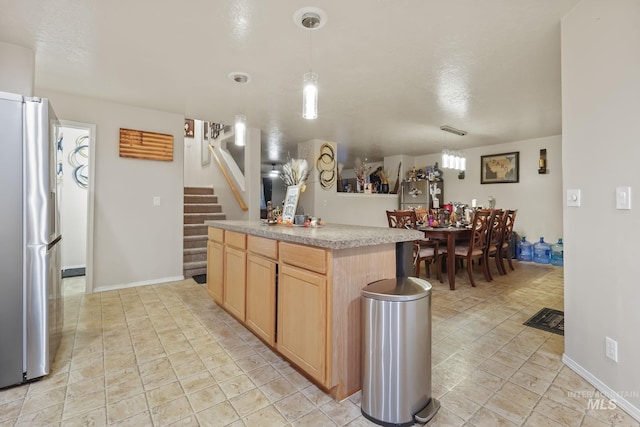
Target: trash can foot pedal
pixel 428 412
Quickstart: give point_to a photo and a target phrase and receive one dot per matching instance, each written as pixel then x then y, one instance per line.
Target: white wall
pixel 600 110
pixel 134 241
pixel 195 173
pixel 17 66
pixel 73 211
pixel 538 198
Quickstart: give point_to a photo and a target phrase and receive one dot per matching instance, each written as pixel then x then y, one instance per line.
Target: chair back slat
pixel 479 227
pixel 496 230
pixel 402 219
pixel 509 220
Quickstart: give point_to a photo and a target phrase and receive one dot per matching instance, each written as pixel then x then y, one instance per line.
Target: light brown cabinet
pixel 261 297
pixel 215 264
pixel 262 270
pixel 235 274
pixel 302 319
pixel 215 257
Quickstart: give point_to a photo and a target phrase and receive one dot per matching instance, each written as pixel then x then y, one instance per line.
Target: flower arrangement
pixel 361 169
pixel 295 172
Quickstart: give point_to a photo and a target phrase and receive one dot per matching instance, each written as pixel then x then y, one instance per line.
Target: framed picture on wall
pixel 188 128
pixel 500 168
pixel 205 130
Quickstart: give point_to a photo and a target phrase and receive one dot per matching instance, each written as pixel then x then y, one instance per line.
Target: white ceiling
pixel 391 72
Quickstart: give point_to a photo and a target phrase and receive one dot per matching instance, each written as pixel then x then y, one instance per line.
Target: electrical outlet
pixel 156 200
pixel 611 348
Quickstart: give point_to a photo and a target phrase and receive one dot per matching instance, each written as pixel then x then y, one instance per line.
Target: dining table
pixel 450 234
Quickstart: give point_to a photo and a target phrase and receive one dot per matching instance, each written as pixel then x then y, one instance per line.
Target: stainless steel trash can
pixel 396 388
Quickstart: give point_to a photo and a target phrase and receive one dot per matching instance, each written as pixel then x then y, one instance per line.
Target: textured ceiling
pixel 391 72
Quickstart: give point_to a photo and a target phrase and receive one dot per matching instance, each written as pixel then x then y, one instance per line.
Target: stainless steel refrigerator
pixel 31 304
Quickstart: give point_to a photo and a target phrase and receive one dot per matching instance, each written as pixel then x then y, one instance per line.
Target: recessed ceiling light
pixel 239 77
pixel 310 18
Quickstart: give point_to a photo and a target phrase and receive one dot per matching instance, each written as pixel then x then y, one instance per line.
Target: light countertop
pixel 331 236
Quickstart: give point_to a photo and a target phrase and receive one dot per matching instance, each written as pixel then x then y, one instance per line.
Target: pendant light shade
pixel 445 159
pixel 240 130
pixel 310 96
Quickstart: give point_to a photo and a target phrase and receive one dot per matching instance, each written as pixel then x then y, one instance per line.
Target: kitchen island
pixel 298 289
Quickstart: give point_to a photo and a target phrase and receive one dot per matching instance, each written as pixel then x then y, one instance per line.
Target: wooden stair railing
pixel 234 190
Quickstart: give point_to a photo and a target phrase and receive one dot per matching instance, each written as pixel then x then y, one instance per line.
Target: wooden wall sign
pixel 139 144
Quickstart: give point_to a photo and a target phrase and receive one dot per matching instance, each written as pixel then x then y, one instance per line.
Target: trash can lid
pixel 398 289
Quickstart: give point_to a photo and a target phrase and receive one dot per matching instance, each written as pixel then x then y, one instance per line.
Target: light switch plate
pixel 623 197
pixel 156 200
pixel 573 197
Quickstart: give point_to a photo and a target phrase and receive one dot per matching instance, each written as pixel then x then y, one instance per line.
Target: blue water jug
pixel 542 252
pixel 524 251
pixel 557 253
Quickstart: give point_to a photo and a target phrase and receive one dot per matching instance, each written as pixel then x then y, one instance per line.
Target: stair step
pixel 200 204
pixel 192 251
pixel 195 230
pixel 196 257
pixel 200 198
pixel 191 269
pixel 195 244
pixel 200 218
pixel 202 208
pixel 198 190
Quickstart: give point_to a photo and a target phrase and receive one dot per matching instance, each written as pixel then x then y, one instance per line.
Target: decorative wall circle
pixel 326 165
pixel 79 160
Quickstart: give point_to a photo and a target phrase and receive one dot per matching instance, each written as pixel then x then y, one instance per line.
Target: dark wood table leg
pixel 451 260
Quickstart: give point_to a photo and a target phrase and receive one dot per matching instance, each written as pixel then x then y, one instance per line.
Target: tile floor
pixel 166 355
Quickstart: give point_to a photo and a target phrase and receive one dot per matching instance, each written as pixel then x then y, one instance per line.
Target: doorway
pixel 75 168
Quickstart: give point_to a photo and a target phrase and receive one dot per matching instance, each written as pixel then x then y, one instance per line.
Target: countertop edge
pixel 331 236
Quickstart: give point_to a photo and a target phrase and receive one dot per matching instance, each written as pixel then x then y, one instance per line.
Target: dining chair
pixel 505 246
pixel 495 234
pixel 474 249
pixel 427 251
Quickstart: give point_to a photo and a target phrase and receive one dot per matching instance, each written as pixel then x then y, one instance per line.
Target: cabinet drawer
pixel 307 257
pixel 237 240
pixel 265 247
pixel 216 234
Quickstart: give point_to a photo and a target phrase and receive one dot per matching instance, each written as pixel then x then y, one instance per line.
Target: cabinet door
pixel 215 257
pixel 261 297
pixel 302 319
pixel 234 281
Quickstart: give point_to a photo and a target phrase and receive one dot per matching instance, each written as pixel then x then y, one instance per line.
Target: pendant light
pixel 274 173
pixel 453 159
pixel 240 130
pixel 310 18
pixel 310 96
pixel 240 125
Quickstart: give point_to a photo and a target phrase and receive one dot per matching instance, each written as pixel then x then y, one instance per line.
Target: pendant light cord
pixel 310 68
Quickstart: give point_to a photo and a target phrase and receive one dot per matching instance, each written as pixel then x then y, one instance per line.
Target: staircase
pixel 200 205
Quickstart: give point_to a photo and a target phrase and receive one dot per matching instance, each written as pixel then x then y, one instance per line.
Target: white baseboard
pixel 136 284
pixel 620 401
pixel 71 267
